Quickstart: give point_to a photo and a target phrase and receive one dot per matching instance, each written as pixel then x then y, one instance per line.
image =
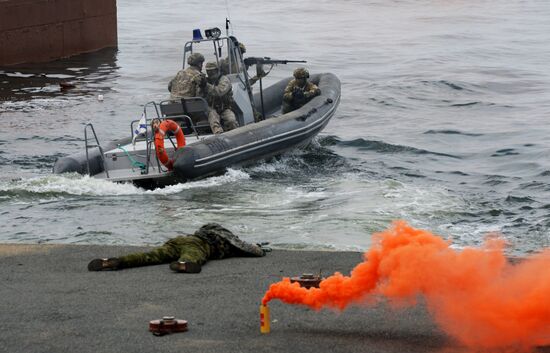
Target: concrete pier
pixel 51 303
pixel 45 30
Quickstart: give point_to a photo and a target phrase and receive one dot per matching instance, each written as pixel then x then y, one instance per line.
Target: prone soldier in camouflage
pixel 186 253
pixel 191 81
pixel 299 91
pixel 219 95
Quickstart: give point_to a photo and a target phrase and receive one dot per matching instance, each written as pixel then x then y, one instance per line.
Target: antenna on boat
pixel 228 19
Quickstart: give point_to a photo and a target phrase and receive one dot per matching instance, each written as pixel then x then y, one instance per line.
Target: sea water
pixel 443 122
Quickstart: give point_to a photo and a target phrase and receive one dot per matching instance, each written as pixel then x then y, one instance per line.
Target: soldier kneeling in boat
pixel 186 253
pixel 219 95
pixel 191 81
pixel 299 91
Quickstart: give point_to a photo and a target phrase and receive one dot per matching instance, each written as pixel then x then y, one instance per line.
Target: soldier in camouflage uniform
pixel 299 91
pixel 219 95
pixel 186 253
pixel 224 63
pixel 191 81
pixel 224 67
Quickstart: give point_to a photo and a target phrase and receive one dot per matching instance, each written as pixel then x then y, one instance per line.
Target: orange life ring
pixel 165 126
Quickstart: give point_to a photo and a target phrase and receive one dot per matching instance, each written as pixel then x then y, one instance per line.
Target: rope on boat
pixel 134 162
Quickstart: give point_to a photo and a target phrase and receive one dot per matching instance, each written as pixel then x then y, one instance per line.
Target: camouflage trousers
pixel 183 248
pixel 216 118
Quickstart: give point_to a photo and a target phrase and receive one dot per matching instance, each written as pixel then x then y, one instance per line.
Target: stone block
pixel 69 10
pixel 99 32
pixel 38 43
pixel 26 13
pixel 72 37
pixel 43 30
pixel 93 8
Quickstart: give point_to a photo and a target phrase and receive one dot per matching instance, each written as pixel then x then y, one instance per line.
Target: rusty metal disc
pixel 167 325
pixel 307 280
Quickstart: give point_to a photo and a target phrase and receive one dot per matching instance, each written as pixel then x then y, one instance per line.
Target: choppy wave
pixel 64 138
pixel 384 147
pixel 456 85
pixel 32 162
pixel 505 152
pixel 310 161
pixel 26 106
pixel 452 132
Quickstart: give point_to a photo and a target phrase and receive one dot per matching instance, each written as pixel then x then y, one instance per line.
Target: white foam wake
pixel 74 184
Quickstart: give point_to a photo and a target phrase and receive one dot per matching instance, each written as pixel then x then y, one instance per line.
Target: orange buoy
pixel 165 126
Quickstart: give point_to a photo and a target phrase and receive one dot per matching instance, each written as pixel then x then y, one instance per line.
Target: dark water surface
pixel 443 123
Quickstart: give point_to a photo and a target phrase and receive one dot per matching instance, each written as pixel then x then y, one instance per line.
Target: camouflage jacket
pixel 226 243
pixel 224 66
pixel 186 83
pixel 220 94
pixel 297 96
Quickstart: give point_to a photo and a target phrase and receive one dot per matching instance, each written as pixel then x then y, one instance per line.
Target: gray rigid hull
pixel 267 138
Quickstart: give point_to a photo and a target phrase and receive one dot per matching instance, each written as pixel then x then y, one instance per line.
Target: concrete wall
pixel 44 30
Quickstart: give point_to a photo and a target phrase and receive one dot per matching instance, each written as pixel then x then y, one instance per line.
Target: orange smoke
pixel 474 294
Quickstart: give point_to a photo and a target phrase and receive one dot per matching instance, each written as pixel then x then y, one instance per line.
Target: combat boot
pixel 185 267
pixel 112 263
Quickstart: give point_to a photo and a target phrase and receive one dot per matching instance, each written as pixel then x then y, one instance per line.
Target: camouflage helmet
pixel 301 73
pixel 242 48
pixel 195 59
pixel 211 65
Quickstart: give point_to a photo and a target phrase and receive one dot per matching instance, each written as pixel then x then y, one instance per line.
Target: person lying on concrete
pixel 186 253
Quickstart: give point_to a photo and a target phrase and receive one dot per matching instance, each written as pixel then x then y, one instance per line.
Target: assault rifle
pixel 267 61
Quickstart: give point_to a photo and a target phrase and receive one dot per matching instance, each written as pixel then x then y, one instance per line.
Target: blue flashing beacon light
pixel 197 34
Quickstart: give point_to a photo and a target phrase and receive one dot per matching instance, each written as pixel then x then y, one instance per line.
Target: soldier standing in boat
pixel 219 95
pixel 299 91
pixel 190 82
pixel 186 253
pixel 224 63
pixel 224 66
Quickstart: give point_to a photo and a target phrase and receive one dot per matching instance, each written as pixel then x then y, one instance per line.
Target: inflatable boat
pixel 134 158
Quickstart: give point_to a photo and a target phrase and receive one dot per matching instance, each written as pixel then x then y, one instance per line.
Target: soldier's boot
pixel 229 120
pixel 112 264
pixel 185 267
pixel 258 116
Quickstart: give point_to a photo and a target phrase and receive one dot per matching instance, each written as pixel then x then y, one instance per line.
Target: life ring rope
pixel 134 162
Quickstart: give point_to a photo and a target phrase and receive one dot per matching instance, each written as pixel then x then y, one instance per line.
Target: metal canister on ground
pixel 307 280
pixel 264 319
pixel 166 325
